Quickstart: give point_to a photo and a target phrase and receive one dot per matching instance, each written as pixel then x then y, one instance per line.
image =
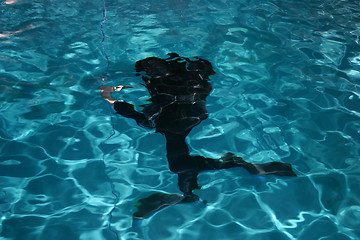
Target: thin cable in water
pixel 103 79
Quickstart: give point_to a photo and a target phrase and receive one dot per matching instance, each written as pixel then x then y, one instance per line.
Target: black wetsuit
pixel 178 87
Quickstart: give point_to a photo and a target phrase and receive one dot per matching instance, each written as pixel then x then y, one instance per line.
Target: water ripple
pixel 286 90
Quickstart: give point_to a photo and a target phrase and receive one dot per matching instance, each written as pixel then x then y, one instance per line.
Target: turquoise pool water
pixel 286 89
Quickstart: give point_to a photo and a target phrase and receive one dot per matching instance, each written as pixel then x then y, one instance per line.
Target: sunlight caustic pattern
pixel 286 89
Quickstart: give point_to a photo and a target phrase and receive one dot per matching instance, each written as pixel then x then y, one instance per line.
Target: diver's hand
pixel 106 89
pixel 105 92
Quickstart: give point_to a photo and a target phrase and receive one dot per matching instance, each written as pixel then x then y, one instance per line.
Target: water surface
pixel 286 89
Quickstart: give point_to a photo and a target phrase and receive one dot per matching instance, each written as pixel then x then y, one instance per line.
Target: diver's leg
pixel 181 162
pixel 187 182
pixel 177 152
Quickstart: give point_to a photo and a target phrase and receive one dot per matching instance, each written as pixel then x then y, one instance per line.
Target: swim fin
pixel 270 168
pixel 155 202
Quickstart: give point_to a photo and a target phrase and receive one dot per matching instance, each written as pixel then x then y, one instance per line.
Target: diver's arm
pixel 128 110
pixel 123 108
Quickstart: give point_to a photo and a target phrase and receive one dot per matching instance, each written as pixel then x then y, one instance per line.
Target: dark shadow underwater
pixel 178 88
